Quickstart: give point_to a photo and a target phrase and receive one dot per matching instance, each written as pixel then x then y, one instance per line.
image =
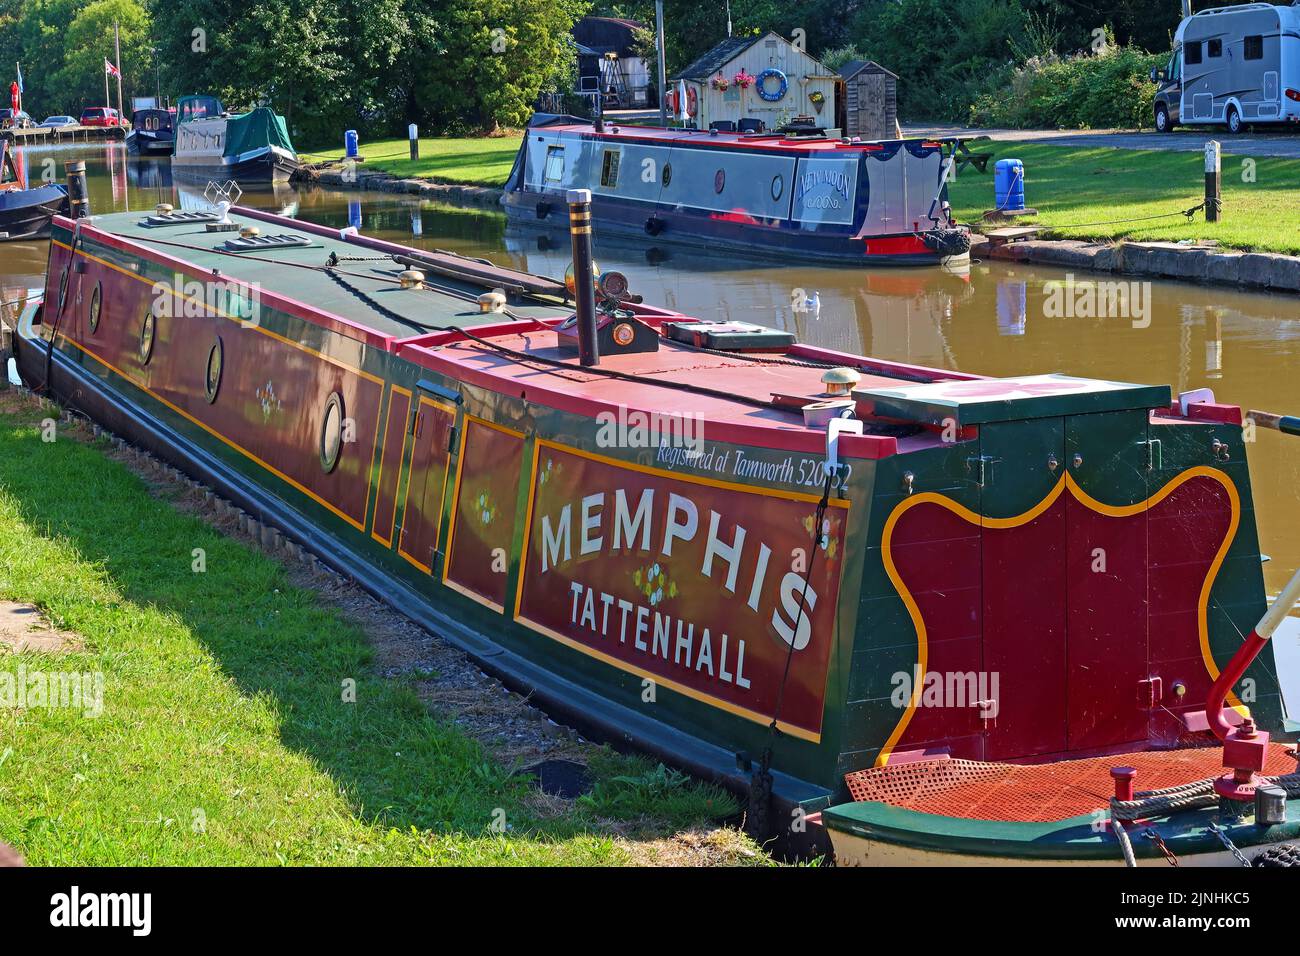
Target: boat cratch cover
pixel 255 130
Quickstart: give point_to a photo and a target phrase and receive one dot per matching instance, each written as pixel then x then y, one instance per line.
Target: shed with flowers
pixel 743 82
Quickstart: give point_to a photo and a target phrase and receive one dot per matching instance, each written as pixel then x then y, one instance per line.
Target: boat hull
pixel 469 499
pixel 27 214
pixel 143 144
pixel 264 166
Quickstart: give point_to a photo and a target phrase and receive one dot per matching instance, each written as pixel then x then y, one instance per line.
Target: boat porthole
pixel 778 184
pixel 63 285
pixel 96 303
pixel 331 432
pixel 212 378
pixel 668 173
pixel 147 330
pixel 719 181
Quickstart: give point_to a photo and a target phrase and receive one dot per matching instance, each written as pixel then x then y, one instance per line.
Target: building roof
pixel 717 57
pixel 854 67
pixel 607 35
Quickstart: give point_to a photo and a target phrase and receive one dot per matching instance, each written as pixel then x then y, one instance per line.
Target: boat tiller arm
pixel 1287 424
pixel 837 426
pixel 1246 655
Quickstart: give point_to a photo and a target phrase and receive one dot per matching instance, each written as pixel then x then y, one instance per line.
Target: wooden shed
pixel 793 84
pixel 870 100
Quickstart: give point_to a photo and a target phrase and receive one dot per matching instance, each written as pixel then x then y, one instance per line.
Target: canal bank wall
pixel 358 179
pixel 1257 271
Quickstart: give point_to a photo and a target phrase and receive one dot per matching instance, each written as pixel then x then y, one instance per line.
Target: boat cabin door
pixel 1064 579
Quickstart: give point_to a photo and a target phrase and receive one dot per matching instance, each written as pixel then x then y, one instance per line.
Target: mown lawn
pixel 1080 191
pixel 224 737
pixel 480 161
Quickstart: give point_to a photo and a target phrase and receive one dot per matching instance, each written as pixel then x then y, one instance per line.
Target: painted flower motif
pixel 269 401
pixel 487 510
pixel 551 469
pixel 654 584
pixel 830 536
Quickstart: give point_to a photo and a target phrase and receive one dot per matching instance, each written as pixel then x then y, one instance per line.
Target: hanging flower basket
pixel 744 80
pixel 720 83
pixel 817 98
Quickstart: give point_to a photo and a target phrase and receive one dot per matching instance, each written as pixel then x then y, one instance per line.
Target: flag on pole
pixel 110 69
pixel 21 89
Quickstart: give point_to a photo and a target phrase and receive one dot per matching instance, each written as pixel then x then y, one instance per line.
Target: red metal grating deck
pixel 1034 793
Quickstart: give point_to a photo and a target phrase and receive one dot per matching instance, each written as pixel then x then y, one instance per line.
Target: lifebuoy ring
pixel 783 84
pixel 692 101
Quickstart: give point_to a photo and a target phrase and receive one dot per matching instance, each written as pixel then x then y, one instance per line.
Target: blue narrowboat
pixel 765 194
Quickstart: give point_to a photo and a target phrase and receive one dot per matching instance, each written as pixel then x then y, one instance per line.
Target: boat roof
pixel 701 137
pixel 443 329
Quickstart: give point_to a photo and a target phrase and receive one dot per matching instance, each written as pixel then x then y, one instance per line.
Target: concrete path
pixel 1284 143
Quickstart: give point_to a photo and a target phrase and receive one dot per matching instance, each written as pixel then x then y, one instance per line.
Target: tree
pixel 488 60
pixel 88 41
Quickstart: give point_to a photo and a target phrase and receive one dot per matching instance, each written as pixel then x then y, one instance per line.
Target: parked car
pixel 14 119
pixel 58 122
pixel 100 116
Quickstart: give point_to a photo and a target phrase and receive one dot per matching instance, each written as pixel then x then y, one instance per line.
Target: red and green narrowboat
pixel 717 544
pixel 766 195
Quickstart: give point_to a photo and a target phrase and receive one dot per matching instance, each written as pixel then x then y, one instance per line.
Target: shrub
pixel 1086 91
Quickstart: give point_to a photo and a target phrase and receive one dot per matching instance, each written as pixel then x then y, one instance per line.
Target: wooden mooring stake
pixel 1213 181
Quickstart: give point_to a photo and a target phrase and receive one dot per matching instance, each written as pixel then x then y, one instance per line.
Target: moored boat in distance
pixel 715 544
pixel 152 132
pixel 213 145
pixel 828 201
pixel 26 213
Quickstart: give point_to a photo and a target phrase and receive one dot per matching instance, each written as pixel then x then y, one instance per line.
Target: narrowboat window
pixel 554 172
pixel 1215 48
pixel 609 168
pixel 667 175
pixel 778 186
pixel 96 303
pixel 331 432
pixel 147 330
pixel 212 380
pixel 1255 48
pixel 1192 53
pixel 719 181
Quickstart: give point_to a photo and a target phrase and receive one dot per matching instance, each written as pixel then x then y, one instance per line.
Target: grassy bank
pixel 224 737
pixel 484 161
pixel 1079 192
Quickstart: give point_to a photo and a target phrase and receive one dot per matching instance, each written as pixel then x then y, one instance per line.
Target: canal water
pixel 995 319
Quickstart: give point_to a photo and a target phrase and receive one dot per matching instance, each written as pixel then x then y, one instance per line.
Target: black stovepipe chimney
pixel 584 283
pixel 78 195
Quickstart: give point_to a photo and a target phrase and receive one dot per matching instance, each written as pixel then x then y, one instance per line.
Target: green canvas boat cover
pixel 254 130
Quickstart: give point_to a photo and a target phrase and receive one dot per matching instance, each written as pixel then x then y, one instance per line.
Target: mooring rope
pixel 760 783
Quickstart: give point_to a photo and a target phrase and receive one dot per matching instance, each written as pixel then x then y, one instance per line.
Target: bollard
pixel 584 289
pixel 78 196
pixel 413 133
pixel 1213 182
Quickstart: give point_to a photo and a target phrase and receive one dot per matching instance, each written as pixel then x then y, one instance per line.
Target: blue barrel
pixel 350 143
pixel 1009 184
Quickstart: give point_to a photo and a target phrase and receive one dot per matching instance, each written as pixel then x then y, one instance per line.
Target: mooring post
pixel 413 132
pixel 584 284
pixel 1213 181
pixel 78 197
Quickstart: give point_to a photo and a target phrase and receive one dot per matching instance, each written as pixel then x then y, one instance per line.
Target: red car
pixel 100 116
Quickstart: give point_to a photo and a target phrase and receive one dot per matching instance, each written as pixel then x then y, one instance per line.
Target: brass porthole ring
pixel 212 377
pixel 148 329
pixel 96 304
pixel 331 432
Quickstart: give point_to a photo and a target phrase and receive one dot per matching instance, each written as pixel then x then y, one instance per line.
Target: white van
pixel 1232 65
